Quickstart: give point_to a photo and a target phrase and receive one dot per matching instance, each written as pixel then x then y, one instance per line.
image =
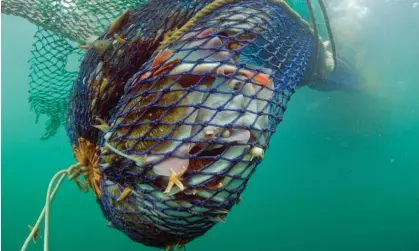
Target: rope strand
pixel 329 31
pixel 200 14
pixel 77 169
pixel 316 33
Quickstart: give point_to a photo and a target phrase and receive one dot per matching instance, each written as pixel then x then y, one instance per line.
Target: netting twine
pixel 74 171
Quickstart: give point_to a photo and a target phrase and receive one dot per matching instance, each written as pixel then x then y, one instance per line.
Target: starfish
pixel 175 180
pixel 36 233
pixel 87 156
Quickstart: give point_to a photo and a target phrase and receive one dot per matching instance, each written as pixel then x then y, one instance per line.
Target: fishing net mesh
pixel 177 100
pixel 182 104
pixel 62 25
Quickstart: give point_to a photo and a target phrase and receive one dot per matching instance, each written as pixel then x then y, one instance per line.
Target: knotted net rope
pixel 179 107
pixel 184 110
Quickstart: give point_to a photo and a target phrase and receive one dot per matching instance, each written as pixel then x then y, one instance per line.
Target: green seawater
pixel 341 173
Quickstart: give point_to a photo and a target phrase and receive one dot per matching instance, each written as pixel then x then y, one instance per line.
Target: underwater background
pixel 341 173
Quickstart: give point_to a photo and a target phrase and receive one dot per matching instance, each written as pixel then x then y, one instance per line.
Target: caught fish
pixel 193 87
pixel 184 105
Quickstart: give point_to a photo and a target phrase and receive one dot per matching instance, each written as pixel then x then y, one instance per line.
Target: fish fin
pixel 263 79
pixel 205 33
pixel 177 164
pixel 161 57
pixel 173 162
pixel 167 67
pixel 260 78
